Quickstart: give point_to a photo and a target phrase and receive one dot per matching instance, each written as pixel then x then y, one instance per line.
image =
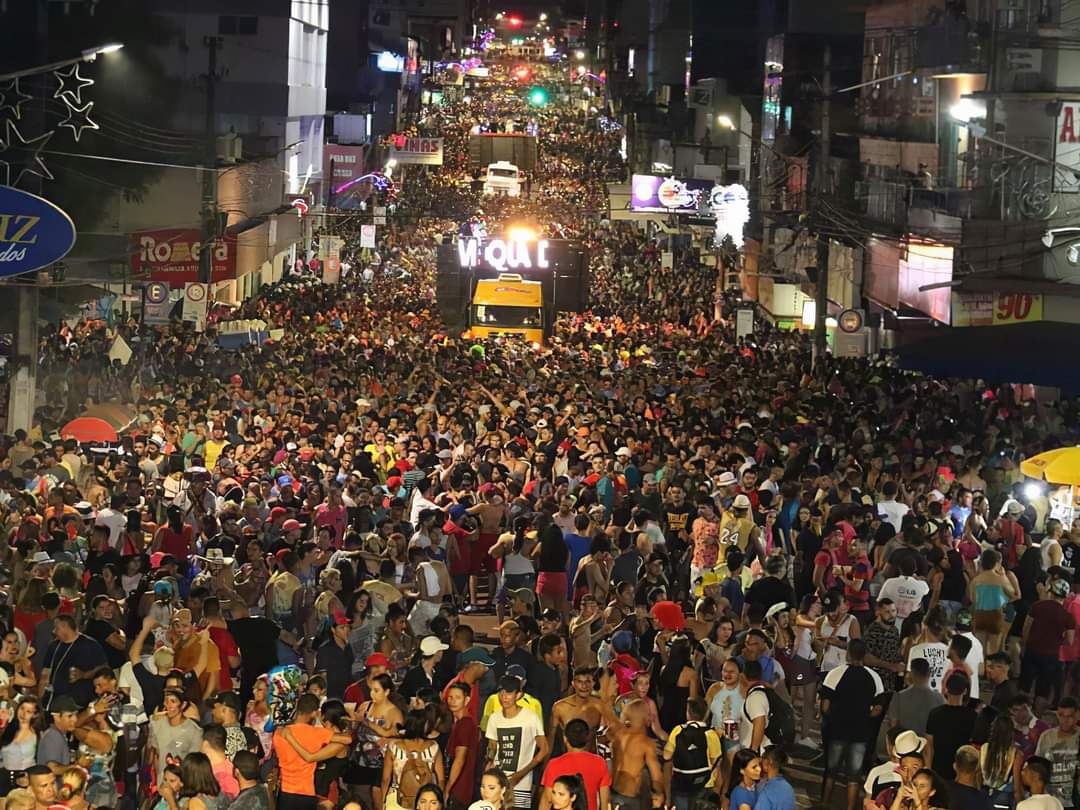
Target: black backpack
pixel 690 761
pixel 780 726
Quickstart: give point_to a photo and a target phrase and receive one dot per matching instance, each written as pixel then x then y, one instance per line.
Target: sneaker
pixel 806 742
pixel 469 609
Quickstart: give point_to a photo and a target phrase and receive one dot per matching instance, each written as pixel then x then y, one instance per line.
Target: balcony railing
pixel 953 46
pixel 904 204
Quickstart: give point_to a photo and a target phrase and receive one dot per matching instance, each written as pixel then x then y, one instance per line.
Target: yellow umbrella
pixel 1060 466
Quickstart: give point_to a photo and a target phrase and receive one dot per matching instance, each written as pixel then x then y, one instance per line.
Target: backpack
pixel 690 761
pixel 415 774
pixel 780 726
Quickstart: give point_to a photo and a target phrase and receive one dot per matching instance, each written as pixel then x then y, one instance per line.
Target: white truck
pixel 504 178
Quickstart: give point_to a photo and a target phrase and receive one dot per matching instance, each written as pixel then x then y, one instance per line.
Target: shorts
pixel 480 559
pixel 846 757
pixel 988 621
pixel 420 617
pixel 618 800
pixel 1041 671
pixel 511 582
pixel 551 584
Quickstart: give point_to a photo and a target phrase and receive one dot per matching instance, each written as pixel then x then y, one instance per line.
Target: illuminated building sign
pixel 390 62
pixel 731 204
pixel 503 254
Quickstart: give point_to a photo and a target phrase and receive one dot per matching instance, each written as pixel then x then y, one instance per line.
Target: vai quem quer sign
pixel 34 233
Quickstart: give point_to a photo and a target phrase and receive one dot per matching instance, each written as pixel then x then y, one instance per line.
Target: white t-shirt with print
pixel 515 742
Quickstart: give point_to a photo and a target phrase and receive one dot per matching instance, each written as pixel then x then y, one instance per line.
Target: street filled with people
pixel 372 563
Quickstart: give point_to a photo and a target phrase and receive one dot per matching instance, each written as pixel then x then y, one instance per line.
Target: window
pixel 231 24
pixel 495 315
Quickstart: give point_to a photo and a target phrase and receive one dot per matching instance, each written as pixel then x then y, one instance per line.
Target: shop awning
pixel 1036 353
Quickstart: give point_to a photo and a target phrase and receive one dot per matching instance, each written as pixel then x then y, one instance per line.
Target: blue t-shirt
pixel 579 547
pixel 741 796
pixel 731 589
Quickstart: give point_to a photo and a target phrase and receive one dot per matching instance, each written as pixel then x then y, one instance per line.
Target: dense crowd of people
pixel 703 556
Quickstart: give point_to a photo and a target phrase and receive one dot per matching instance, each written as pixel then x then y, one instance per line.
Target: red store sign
pixel 172 255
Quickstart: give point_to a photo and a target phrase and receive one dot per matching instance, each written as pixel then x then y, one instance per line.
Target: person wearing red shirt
pixel 473 664
pixel 462 746
pixel 228 651
pixel 577 761
pixel 857 582
pixel 359 692
pixel 830 562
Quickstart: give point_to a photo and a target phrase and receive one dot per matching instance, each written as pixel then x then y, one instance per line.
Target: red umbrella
pixel 89 429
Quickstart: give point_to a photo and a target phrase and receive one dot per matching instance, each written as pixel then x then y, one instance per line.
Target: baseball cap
pixel 517 671
pixel 163 588
pixel 340 618
pixel 431 645
pixel 291 525
pixel 278 511
pixel 393 482
pixel 550 615
pixel 476 655
pixel 1060 588
pixel 230 699
pixel 377 660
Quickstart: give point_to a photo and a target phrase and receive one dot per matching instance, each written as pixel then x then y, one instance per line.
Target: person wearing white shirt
pixel 890 510
pixel 113 519
pixel 905 590
pixel 420 501
pixel 1036 778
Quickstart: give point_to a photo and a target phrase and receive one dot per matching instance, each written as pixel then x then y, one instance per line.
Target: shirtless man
pixel 491 513
pixel 633 751
pixel 581 705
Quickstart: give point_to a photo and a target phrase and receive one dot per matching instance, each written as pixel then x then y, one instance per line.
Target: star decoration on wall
pixel 70 83
pixel 12 98
pixel 14 141
pixel 78 119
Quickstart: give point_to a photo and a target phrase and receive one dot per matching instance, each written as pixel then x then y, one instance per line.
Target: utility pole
pixel 209 213
pixel 821 297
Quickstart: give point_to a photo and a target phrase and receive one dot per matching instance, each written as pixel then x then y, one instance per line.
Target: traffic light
pixel 538 96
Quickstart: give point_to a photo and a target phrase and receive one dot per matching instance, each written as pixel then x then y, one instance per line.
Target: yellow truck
pixel 507 305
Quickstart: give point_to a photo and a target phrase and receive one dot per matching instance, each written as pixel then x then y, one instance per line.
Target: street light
pixel 725 122
pixel 88 55
pixel 579 55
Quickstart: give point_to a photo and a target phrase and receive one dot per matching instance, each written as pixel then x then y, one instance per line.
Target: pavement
pixel 804 777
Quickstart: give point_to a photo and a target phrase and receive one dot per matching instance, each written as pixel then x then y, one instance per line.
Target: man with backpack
pixel 850 699
pixel 766 718
pixel 691 754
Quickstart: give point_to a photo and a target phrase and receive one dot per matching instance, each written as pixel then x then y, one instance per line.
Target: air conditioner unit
pixel 230 148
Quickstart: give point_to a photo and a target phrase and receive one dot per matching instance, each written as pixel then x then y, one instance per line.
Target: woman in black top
pixel 552 557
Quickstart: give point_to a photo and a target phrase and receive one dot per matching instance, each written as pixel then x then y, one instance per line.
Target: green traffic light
pixel 538 97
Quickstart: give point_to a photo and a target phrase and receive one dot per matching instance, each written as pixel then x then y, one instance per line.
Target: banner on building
pixel 34 233
pixel 195 296
pixel 171 255
pixel 995 309
pixel 700 96
pixel 1067 147
pixel 367 236
pixel 331 261
pixel 667 260
pixel 342 163
pixel 421 151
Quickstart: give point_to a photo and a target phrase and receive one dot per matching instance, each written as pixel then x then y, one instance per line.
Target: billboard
pixel 347 161
pixel 1067 146
pixel 34 233
pixel 171 255
pixel 422 151
pixel 667 195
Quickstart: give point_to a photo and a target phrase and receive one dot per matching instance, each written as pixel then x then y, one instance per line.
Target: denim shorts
pixel 846 757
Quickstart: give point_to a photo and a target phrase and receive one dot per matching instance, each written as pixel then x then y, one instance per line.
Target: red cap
pixel 378 660
pixel 291 525
pixel 565 445
pixel 156 558
pixel 393 482
pixel 278 511
pixel 485 488
pixel 591 479
pixel 281 554
pixel 341 618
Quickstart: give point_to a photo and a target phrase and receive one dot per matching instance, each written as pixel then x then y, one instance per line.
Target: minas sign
pixel 34 233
